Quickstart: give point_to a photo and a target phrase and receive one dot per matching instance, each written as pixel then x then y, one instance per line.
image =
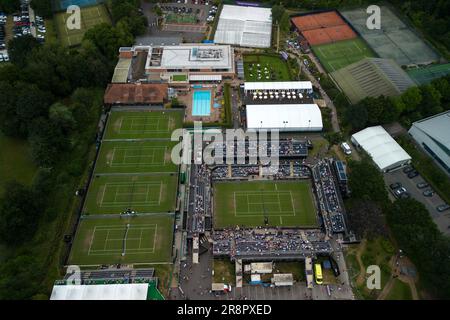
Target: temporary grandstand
pixel 322 28
pixel 384 150
pixel 372 77
pixel 244 26
pixel 433 135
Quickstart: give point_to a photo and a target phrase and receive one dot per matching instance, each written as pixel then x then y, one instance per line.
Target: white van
pixel 346 148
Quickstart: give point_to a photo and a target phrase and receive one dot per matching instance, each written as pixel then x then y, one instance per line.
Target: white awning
pixel 134 291
pixel 285 117
pixel 205 77
pixel 280 85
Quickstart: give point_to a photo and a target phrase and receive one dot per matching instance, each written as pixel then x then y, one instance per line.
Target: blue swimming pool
pixel 201 103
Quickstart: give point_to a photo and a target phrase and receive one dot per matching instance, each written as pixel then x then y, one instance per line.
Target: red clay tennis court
pixel 323 28
pixel 318 20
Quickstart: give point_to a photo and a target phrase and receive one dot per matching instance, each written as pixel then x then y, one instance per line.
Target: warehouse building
pixel 387 154
pixel 372 77
pixel 433 135
pixel 244 26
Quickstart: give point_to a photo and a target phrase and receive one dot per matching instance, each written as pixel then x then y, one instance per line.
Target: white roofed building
pixel 129 291
pixel 285 117
pixel 282 105
pixel 387 154
pixel 244 26
pixel 433 135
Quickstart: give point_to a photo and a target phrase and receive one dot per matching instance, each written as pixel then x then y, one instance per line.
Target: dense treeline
pixel 368 211
pixel 414 104
pixel 52 96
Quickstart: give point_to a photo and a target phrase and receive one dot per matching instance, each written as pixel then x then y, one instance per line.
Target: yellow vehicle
pixel 318 273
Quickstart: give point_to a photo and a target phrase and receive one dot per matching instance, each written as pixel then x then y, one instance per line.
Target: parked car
pixel 428 193
pixel 396 185
pixel 443 207
pixel 399 191
pixel 422 185
pixel 413 174
pixel 408 169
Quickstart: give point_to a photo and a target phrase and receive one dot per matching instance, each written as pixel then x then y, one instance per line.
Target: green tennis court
pixel 135 157
pixel 280 203
pixel 334 56
pixel 113 194
pixel 123 240
pixel 90 16
pixel 143 124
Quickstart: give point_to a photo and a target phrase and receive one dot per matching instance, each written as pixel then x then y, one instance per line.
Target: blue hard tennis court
pixel 201 103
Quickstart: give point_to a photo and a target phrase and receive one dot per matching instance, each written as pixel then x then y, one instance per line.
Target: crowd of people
pixel 328 197
pixel 269 242
pixel 199 198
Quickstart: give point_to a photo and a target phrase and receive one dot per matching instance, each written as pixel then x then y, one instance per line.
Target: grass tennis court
pixel 288 204
pixel 334 56
pixel 123 240
pixel 181 18
pixel 143 124
pixel 113 194
pixel 135 157
pixel 90 16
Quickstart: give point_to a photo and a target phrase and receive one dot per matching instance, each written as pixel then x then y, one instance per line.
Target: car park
pixel 428 193
pixel 405 195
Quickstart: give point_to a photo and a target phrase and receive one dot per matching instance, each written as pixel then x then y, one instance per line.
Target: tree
pixel 277 12
pixel 42 7
pixel 356 116
pixel 412 98
pixel 62 117
pixel 366 218
pixel 418 236
pixel 19 214
pixel 9 6
pixel 366 182
pixel 20 48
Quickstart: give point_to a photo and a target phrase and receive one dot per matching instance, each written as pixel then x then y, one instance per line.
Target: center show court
pixel 257 203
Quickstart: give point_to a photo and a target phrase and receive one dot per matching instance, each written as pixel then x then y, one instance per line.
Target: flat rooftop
pixel 197 56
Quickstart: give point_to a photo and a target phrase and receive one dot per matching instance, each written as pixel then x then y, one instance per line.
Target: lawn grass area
pixel 427 168
pixel 90 16
pixel 376 252
pixel 123 240
pixel 141 193
pixel 334 56
pixel 224 271
pixel 179 77
pixel 164 274
pixel 135 157
pixel 250 203
pixel 143 124
pixel 15 162
pixel 400 291
pixel 296 268
pixel 50 34
pixel 270 67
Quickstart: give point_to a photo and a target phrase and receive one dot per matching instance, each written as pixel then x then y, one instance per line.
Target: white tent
pixel 279 85
pixel 384 150
pixel 244 26
pixel 285 117
pixel 134 291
